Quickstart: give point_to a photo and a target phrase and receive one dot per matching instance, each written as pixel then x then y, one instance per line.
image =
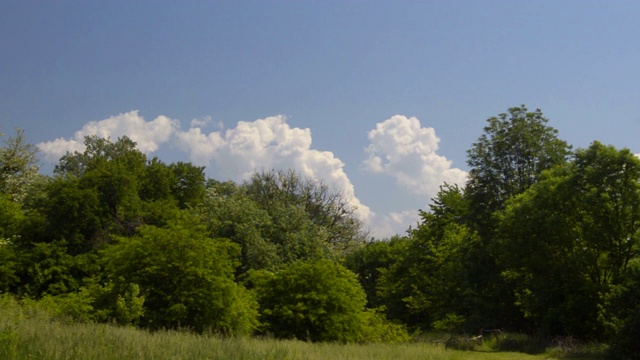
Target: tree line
pixel 542 239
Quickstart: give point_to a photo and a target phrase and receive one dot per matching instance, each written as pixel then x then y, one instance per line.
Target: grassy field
pixel 27 333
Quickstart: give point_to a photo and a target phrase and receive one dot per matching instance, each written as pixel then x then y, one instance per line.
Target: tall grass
pixel 26 332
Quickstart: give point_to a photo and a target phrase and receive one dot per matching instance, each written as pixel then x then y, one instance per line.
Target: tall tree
pixel 508 158
pixel 370 263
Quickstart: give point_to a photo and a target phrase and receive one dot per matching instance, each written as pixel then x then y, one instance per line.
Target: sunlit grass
pixel 27 333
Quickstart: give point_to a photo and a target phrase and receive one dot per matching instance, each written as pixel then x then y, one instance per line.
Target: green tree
pixel 623 303
pixel 115 171
pixel 229 213
pixel 186 278
pixel 189 186
pixel 11 219
pixel 278 218
pixel 157 181
pixel 509 157
pixel 319 301
pixel 48 269
pixel 569 238
pixel 18 166
pixel 99 151
pixel 370 263
pixel 73 213
pixel 181 182
pixel 430 281
pixel 326 207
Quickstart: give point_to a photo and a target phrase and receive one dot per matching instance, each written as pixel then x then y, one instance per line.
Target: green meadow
pixel 26 332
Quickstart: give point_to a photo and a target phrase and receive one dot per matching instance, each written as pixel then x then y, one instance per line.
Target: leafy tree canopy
pixel 509 157
pixel 185 277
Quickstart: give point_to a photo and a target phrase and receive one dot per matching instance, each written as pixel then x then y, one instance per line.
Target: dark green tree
pixel 278 218
pixel 189 186
pixel 158 181
pixel 74 213
pixel 623 303
pixel 431 282
pixel 115 170
pixel 566 241
pixel 370 263
pixel 509 157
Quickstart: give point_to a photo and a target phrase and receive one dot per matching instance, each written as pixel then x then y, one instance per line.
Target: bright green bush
pixel 320 301
pixel 186 278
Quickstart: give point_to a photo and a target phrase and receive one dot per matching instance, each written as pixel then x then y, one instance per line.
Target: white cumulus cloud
pixel 149 135
pixel 265 144
pixel 401 148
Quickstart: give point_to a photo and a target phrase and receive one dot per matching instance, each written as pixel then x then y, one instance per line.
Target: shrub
pixel 319 301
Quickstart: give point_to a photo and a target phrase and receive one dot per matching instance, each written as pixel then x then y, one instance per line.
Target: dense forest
pixel 543 239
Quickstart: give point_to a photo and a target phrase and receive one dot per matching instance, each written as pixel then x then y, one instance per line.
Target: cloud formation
pixel 149 135
pixel 268 143
pixel 401 148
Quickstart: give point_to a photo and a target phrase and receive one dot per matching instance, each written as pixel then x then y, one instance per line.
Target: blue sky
pixel 381 98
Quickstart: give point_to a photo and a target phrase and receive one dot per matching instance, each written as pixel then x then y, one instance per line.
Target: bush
pixel 377 328
pixel 320 301
pixel 185 277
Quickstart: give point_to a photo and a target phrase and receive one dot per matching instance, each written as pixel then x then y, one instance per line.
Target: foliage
pixel 623 305
pixel 282 192
pixel 377 328
pixel 18 166
pixel 47 268
pixel 539 241
pixel 98 152
pixel 189 186
pixel 370 263
pixel 320 301
pixel 229 214
pixel 8 278
pixel 280 217
pixel 509 157
pixel 185 277
pixel 515 148
pixel 11 221
pixel 568 238
pixel 429 282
